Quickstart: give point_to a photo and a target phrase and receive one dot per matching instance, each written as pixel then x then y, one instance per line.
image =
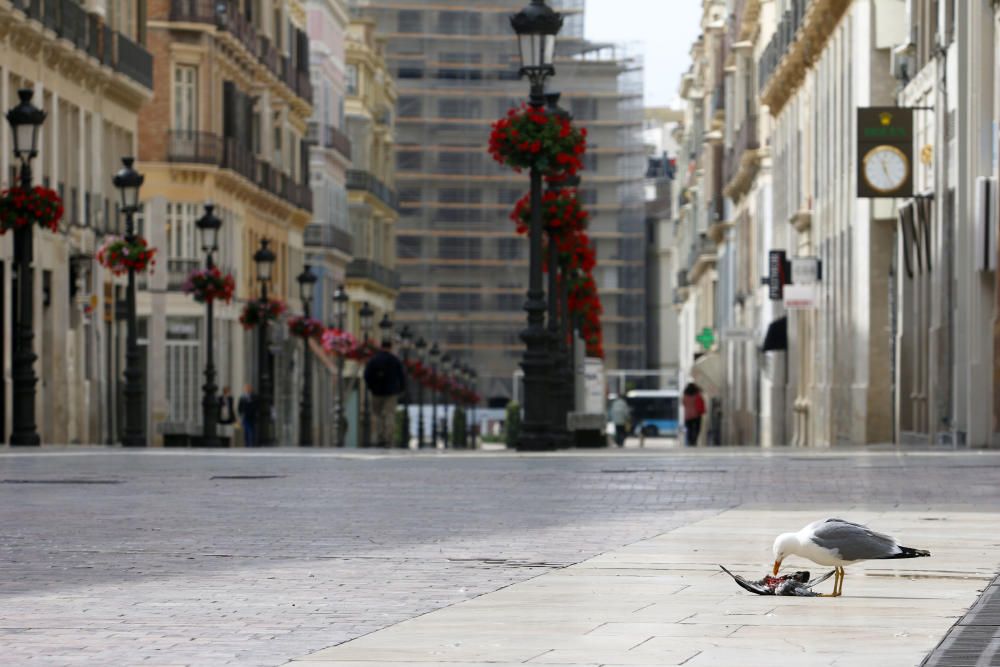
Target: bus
pixel 655 412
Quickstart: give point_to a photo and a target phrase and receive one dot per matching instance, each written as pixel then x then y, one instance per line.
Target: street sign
pixel 806 270
pixel 885 152
pixel 801 297
pixel 776 274
pixel 706 338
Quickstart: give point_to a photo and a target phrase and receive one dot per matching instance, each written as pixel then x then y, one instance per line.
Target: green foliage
pixel 512 425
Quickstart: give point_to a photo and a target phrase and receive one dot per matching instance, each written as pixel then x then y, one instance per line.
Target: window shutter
pixel 304 159
pixel 229 93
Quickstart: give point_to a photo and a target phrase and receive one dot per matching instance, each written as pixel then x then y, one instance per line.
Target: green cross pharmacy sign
pixel 706 338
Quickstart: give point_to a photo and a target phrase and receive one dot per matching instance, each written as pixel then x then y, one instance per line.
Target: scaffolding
pixel 463 268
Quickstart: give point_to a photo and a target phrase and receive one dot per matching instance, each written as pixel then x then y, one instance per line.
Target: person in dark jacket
pixel 247 408
pixel 385 378
pixel 694 408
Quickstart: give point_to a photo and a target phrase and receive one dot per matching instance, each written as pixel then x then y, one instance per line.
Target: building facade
pixel 91 73
pixel 463 267
pixel 228 123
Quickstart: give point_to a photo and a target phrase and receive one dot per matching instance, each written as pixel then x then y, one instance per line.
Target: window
pixel 510 248
pixel 409 160
pixel 410 301
pixel 585 109
pixel 450 247
pixel 459 23
pixel 460 196
pixel 410 106
pixel 510 195
pixel 459 108
pixel 185 99
pixel 459 163
pixel 510 302
pixel 410 21
pixel 352 79
pixel 409 247
pixel 461 301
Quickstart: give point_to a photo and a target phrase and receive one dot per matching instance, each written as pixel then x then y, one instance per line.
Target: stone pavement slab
pixel 664 601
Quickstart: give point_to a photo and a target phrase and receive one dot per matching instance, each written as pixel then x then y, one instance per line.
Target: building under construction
pixel 464 270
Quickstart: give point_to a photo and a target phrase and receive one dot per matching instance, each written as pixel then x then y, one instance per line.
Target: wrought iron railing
pixel 744 140
pixel 362 180
pixel 366 269
pixel 201 147
pixel 783 38
pixel 329 236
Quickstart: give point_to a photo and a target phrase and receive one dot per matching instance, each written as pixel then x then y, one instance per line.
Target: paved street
pixel 257 558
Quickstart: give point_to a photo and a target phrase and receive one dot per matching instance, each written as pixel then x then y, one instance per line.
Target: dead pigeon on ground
pixel 790 584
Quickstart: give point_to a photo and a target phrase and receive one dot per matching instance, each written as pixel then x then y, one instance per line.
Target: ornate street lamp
pixel 208 226
pixel 340 300
pixel 536 26
pixel 128 181
pixel 405 342
pixel 264 259
pixel 385 326
pixel 434 353
pixel 367 314
pixel 25 120
pixel 420 346
pixel 307 284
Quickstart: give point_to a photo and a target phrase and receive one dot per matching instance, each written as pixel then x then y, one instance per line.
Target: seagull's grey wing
pixel 853 541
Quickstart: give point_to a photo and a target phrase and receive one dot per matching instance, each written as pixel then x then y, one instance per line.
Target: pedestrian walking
pixel 227 415
pixel 385 378
pixel 694 409
pixel 620 414
pixel 247 408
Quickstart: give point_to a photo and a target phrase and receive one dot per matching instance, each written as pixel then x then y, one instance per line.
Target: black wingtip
pixel 908 552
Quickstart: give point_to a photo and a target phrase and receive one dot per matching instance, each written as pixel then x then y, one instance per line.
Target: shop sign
pixel 801 297
pixel 806 270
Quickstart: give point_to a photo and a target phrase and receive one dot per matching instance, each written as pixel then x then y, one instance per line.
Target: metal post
pixel 340 388
pixel 420 416
pixel 558 415
pixel 535 431
pixel 209 401
pixel 266 435
pixel 447 426
pixel 404 436
pixel 134 435
pixel 366 417
pixel 25 431
pixel 305 408
pixel 434 414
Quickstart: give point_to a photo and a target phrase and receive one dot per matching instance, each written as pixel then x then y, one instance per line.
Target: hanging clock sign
pixel 885 152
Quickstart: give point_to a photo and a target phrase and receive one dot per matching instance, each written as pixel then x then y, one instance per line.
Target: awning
pixel 776 339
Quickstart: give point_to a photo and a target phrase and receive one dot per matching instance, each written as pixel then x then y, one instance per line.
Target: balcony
pixel 366 269
pixel 329 236
pixel 701 256
pixel 327 136
pixel 88 33
pixel 362 180
pixel 741 158
pixel 200 147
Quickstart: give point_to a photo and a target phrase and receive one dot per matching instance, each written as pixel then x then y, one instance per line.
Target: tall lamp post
pixel 475 424
pixel 536 26
pixel 420 346
pixel 128 181
pixel 208 226
pixel 405 341
pixel 307 284
pixel 446 361
pixel 340 300
pixel 264 258
pixel 366 418
pixel 25 120
pixel 434 353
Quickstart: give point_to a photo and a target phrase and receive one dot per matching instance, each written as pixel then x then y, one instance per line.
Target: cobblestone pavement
pixel 253 558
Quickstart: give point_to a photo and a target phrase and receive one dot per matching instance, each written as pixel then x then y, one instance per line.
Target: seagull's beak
pixel 777 566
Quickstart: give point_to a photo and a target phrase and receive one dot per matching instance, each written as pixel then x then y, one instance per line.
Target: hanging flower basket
pixel 305 327
pixel 527 138
pixel 338 342
pixel 118 255
pixel 562 213
pixel 207 285
pixel 416 369
pixel 20 207
pixel 257 311
pixel 362 352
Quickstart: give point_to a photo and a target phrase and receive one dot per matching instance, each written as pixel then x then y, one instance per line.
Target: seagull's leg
pixel 839 585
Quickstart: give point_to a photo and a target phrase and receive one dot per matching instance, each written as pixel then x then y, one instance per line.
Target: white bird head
pixel 784 545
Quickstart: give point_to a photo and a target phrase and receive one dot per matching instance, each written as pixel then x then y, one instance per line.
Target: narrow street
pixel 259 558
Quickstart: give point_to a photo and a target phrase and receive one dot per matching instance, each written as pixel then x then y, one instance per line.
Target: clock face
pixel 886 168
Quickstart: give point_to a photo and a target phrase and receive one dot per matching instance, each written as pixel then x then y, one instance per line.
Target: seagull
pixel 837 542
